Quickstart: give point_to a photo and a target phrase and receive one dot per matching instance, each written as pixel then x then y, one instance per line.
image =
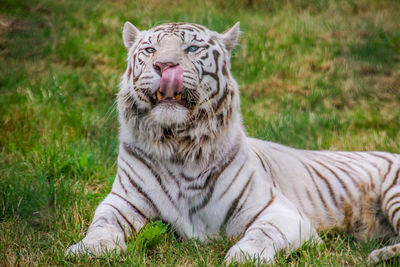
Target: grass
pixel 314 74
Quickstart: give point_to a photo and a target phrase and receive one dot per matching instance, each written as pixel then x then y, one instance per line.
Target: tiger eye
pixel 192 48
pixel 150 50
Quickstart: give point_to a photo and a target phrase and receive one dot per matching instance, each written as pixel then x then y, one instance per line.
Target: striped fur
pixel 193 166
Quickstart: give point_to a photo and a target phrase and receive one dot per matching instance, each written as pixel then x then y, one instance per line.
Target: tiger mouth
pixel 158 98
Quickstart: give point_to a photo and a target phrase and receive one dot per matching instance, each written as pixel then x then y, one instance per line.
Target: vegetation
pixel 314 74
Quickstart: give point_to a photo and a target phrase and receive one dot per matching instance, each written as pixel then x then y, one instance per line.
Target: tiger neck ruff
pixel 184 158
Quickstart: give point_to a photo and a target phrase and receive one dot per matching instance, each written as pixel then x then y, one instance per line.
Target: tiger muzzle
pixel 170 90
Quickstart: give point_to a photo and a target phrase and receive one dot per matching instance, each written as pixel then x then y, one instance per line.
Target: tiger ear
pixel 129 34
pixel 230 37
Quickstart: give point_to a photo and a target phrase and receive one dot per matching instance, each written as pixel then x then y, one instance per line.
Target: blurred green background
pixel 315 74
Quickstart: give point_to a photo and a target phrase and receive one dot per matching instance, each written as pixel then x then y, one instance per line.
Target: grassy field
pixel 313 74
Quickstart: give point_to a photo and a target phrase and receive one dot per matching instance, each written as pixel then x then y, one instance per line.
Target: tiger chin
pixel 184 158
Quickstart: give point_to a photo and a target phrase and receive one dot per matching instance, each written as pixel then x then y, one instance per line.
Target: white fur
pixel 195 168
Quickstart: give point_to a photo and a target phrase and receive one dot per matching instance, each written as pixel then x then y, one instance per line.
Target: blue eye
pixel 192 48
pixel 150 50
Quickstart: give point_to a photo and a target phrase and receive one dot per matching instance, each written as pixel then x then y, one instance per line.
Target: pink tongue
pixel 171 81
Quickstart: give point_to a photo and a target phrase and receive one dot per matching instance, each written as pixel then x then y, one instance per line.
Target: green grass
pixel 314 74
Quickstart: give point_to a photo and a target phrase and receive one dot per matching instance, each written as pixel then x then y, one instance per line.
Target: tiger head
pixel 177 95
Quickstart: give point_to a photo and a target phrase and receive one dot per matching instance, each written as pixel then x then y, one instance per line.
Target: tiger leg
pixel 390 197
pixel 278 227
pixel 113 220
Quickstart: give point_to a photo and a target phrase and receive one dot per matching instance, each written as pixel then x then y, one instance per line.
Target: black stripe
pixel 120 182
pixel 131 205
pixel 223 98
pixel 267 235
pixel 394 213
pixel 367 159
pixel 214 94
pixel 269 171
pixel 232 181
pixel 330 189
pixel 205 56
pixel 190 84
pixel 316 186
pixel 225 70
pixel 349 155
pixel 310 198
pixel 120 213
pixel 214 174
pixel 355 161
pixel 339 179
pixel 353 180
pixel 387 208
pixel 129 72
pixel 214 76
pixel 393 184
pixel 211 179
pixel 122 228
pixel 197 27
pixel 189 77
pixel 100 219
pixel 258 214
pixel 147 77
pixel 300 202
pixel 155 174
pixel 130 167
pixel 262 162
pixel 182 35
pixel 176 180
pixel 392 197
pixel 380 156
pixel 238 210
pixel 234 204
pixel 390 163
pixel 279 231
pixel 158 38
pixel 195 39
pixel 263 231
pixel 187 178
pixel 140 190
pixel 397 226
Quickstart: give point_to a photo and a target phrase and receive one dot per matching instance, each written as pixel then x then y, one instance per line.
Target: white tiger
pixel 184 158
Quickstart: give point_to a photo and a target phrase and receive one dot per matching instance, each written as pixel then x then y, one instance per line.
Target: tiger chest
pixel 207 208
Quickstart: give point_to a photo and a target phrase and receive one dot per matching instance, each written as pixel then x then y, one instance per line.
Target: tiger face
pixel 177 85
pixel 175 69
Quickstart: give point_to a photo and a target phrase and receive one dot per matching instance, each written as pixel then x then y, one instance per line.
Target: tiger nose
pixel 161 66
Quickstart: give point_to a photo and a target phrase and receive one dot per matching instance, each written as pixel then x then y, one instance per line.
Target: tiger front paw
pixel 98 243
pixel 100 247
pixel 246 252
